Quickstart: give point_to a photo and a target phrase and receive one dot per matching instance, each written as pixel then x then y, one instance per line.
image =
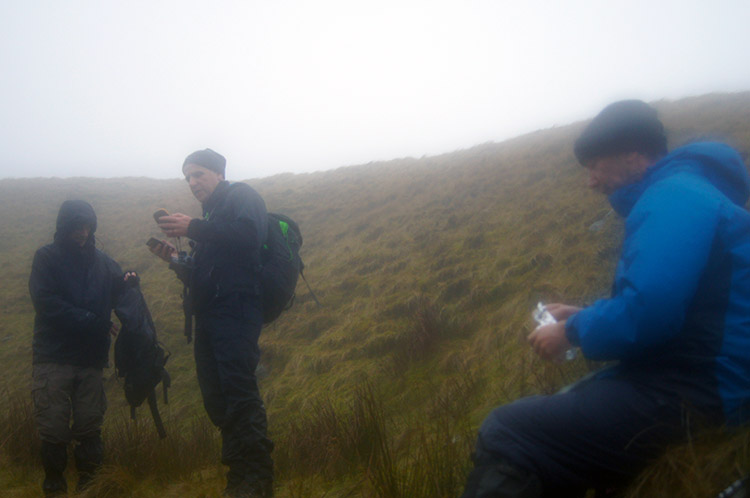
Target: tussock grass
pixel 396 456
pixel 326 439
pixel 135 446
pixel 138 463
pixel 428 325
pixel 703 467
pixel 18 437
pixel 133 451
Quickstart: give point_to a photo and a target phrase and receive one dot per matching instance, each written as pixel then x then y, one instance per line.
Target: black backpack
pixel 139 357
pixel 280 266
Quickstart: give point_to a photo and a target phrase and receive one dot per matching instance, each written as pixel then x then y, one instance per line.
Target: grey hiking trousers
pixel 60 391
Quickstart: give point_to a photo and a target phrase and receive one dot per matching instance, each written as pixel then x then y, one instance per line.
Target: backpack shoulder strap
pixel 302 273
pixel 155 414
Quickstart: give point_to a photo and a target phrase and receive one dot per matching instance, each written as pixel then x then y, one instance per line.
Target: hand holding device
pixel 154 243
pixel 160 213
pixel 175 225
pixel 542 316
pixel 161 248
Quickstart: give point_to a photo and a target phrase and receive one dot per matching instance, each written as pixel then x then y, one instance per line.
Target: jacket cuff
pixel 571 331
pixel 197 229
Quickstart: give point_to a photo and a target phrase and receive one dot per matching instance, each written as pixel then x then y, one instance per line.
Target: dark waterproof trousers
pixel 599 435
pixel 226 356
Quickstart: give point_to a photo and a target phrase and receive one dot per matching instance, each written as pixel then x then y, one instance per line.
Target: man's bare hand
pixel 164 250
pixel 561 311
pixel 114 329
pixel 549 341
pixel 175 225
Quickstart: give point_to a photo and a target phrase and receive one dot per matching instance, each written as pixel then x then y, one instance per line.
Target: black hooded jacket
pixel 73 290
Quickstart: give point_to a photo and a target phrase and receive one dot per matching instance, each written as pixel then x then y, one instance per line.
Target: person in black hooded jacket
pixel 73 288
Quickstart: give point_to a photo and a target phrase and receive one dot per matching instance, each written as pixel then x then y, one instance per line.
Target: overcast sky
pixel 128 88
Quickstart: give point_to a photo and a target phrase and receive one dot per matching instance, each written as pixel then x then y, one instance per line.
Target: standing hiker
pixel 74 288
pixel 677 323
pixel 223 294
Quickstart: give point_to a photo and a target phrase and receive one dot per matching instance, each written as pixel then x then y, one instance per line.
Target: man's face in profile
pixel 202 180
pixel 609 173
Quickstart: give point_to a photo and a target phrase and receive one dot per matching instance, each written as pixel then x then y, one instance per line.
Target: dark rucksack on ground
pixel 280 266
pixel 139 357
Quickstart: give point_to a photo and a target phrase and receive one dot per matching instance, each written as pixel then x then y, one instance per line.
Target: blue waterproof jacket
pixel 679 314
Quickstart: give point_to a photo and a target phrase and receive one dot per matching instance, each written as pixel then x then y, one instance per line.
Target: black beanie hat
pixel 622 127
pixel 208 159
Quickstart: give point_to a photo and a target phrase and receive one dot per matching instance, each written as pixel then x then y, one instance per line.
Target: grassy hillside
pixel 427 270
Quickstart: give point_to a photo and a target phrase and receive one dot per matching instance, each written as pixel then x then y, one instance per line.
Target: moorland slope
pixel 427 270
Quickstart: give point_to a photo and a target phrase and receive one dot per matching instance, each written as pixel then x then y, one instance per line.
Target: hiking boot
pixel 55 485
pixel 88 457
pixel 54 460
pixel 84 481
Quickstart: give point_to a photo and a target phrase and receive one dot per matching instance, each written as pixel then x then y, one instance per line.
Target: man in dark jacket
pixel 73 287
pixel 676 325
pixel 224 292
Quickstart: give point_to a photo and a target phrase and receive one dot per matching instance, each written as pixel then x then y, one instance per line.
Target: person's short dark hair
pixel 622 127
pixel 208 159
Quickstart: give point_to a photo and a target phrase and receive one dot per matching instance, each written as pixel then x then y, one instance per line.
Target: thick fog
pixel 108 89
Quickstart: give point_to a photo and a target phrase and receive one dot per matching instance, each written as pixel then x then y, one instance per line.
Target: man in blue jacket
pixel 73 287
pixel 677 324
pixel 224 291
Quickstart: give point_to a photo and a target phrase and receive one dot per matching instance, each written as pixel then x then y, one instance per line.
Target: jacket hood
pixel 718 163
pixel 71 216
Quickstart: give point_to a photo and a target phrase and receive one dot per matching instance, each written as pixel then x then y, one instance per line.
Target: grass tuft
pixel 18 436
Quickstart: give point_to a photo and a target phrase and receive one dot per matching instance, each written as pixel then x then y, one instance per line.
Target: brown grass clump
pixel 703 467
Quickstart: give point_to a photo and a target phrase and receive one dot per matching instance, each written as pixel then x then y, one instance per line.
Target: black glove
pixel 132 281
